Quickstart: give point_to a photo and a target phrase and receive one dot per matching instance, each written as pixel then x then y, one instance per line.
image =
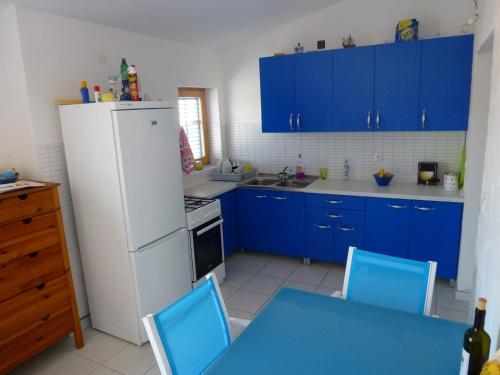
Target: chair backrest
pixel 388 281
pixel 189 334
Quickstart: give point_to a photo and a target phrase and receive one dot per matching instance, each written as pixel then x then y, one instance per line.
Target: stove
pixel 200 210
pixel 204 224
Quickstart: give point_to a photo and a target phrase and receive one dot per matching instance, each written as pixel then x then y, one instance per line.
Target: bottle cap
pixel 83 84
pixel 97 88
pixel 481 303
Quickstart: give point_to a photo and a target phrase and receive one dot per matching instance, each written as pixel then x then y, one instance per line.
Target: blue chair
pixel 388 281
pixel 190 334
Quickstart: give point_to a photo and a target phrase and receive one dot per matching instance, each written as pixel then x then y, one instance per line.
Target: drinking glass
pixel 323 173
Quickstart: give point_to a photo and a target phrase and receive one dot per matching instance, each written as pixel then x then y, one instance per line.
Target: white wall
pixel 54 54
pixel 487 275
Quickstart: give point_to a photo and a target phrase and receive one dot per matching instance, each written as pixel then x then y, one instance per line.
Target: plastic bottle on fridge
pixel 133 83
pixel 125 95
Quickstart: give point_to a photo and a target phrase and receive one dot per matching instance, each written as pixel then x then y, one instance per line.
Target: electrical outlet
pixel 378 156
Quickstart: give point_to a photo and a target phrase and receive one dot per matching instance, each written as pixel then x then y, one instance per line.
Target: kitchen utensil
pixel 427 173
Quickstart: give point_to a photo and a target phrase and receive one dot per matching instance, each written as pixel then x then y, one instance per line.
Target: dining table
pixel 301 332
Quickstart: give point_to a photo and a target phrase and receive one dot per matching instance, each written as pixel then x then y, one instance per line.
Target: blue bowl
pixel 383 181
pixel 8 177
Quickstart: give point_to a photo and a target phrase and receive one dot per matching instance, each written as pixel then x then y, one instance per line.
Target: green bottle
pixel 476 343
pixel 124 75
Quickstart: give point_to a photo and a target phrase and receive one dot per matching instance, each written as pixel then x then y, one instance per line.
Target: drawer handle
pixel 424 208
pixel 335 202
pixel 27 220
pixel 22 196
pixel 40 286
pixel 46 317
pixel 261 196
pixel 396 206
pixel 333 216
pixel 280 198
pixel 345 229
pixel 322 226
pixel 33 254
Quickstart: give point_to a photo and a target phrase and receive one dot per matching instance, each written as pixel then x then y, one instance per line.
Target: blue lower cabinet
pixel 230 225
pixel 271 221
pixel 319 241
pixel 435 235
pixel 346 235
pixel 388 226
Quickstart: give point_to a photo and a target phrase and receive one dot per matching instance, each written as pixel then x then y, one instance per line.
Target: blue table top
pixel 307 333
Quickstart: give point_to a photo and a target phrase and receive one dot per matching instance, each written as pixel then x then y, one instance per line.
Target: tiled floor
pixel 252 279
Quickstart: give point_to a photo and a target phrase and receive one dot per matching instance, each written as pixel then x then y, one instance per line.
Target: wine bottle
pixel 476 343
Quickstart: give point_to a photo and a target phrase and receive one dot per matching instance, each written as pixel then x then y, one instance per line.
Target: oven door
pixel 207 247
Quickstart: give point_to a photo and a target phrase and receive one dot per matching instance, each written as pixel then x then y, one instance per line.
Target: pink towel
pixel 187 159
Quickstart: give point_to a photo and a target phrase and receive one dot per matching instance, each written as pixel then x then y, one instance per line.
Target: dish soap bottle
pixel 299 169
pixel 346 169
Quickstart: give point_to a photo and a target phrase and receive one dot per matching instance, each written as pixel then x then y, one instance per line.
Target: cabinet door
pixel 285 218
pixel 445 83
pixel 277 94
pixel 254 210
pixel 353 89
pixel 319 241
pixel 435 235
pixel 230 225
pixel 313 91
pixel 347 235
pixel 388 226
pixel 397 86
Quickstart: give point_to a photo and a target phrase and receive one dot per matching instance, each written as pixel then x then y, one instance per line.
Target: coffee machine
pixel 428 173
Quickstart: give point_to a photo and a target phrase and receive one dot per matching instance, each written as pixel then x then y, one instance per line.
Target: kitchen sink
pixel 294 184
pixel 262 181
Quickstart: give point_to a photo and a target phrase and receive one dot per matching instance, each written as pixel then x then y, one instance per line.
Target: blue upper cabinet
pixel 397 86
pixel 313 91
pixel 445 83
pixel 277 93
pixel 353 89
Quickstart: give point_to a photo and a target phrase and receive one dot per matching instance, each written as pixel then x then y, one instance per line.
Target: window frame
pixel 199 93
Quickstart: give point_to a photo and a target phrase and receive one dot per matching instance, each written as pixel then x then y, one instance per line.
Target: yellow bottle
pixel 492 367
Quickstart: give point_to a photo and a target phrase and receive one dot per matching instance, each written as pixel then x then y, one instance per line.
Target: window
pixel 193 118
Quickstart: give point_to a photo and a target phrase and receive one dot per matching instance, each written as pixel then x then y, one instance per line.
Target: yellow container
pixel 107 97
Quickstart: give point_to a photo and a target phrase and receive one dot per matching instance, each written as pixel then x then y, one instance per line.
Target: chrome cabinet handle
pixel 396 206
pixel 369 119
pixel 424 208
pixel 322 226
pixel 424 117
pixel 333 216
pixel 280 198
pixel 377 120
pixel 298 121
pixel 346 229
pixel 335 202
pixel 290 121
pixel 261 196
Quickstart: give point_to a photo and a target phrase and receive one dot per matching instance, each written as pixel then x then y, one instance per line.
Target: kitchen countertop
pixel 355 187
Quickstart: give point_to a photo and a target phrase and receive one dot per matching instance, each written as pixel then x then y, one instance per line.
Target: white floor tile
pixel 153 371
pixel 334 279
pixel 280 270
pixel 247 262
pixel 445 299
pixel 99 347
pixel 312 274
pixel 235 313
pixel 263 284
pixel 133 360
pixel 62 363
pixel 299 285
pixel 457 316
pixel 247 300
pixel 227 291
pixel 101 370
pixel 325 291
pixel 236 278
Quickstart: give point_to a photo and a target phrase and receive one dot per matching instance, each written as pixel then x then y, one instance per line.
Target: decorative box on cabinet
pixel 37 298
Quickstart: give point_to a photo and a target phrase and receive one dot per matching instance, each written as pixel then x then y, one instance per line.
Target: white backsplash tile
pixel 401 151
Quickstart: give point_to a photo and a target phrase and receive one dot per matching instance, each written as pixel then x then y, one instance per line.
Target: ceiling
pixel 212 23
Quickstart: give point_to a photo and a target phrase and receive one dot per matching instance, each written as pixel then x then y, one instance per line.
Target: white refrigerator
pixel 126 185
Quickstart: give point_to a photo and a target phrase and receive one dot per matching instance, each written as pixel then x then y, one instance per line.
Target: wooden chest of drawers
pixel 37 298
